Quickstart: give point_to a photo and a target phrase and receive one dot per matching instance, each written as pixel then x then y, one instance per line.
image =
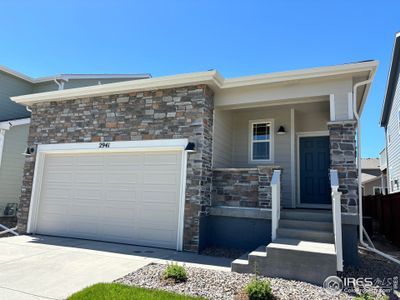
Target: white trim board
pixel 113 147
pixel 298 136
pixel 293 155
pixel 10 123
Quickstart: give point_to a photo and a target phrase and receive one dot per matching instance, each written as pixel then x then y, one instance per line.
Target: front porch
pixel 272 191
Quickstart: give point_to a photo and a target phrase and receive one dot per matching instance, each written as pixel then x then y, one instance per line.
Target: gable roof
pixel 391 81
pixel 211 78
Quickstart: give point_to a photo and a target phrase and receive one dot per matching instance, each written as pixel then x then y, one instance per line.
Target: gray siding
pixel 12 86
pixel 231 136
pixel 393 148
pixel 223 133
pixel 12 165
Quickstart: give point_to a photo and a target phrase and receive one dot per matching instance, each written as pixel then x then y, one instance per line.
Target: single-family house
pixel 372 177
pixel 15 119
pixel 195 160
pixel 390 121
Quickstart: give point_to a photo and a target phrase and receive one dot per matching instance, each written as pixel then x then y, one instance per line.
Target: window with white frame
pixel 377 190
pixel 261 139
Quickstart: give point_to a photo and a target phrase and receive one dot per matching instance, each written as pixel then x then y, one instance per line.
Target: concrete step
pixel 306 235
pixel 301 224
pixel 300 260
pixel 307 215
pixel 250 262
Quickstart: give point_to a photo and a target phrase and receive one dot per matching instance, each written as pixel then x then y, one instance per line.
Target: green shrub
pixel 175 272
pixel 367 296
pixel 259 290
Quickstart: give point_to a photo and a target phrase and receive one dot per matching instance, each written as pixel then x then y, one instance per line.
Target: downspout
pixel 360 213
pixel 59 84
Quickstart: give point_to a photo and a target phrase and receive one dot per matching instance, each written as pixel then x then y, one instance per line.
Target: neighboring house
pixel 15 118
pixel 390 120
pixel 372 179
pixel 196 160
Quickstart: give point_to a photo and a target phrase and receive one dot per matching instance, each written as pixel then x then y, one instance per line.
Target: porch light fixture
pixel 281 130
pixel 190 147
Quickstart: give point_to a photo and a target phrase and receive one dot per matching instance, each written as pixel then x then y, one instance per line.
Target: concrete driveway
pixel 44 267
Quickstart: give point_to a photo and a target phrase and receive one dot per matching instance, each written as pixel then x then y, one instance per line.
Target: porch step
pixel 320 236
pixel 301 260
pixel 307 215
pixel 250 262
pixel 301 224
pixel 291 259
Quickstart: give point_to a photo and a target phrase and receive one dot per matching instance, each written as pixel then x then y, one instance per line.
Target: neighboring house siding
pixel 394 145
pixel 12 164
pixel 74 83
pixel 222 148
pixel 369 186
pixel 12 86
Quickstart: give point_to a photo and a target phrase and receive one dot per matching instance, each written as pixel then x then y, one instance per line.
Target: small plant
pixel 175 272
pixel 367 296
pixel 259 289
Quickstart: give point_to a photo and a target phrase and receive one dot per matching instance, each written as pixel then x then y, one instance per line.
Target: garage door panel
pixel 124 177
pixel 59 177
pixel 160 178
pixel 161 159
pixel 166 196
pixel 121 197
pixel 89 176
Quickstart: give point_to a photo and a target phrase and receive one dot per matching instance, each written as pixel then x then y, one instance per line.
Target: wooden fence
pixel 385 209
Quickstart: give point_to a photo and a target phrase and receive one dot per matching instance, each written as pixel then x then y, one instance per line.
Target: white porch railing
pixel 276 201
pixel 337 219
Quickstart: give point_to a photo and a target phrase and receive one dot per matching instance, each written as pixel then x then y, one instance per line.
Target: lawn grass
pixel 107 291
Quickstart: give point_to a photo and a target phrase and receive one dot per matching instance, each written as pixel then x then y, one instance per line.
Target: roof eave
pixel 387 103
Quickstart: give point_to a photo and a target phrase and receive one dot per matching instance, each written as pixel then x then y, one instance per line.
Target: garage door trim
pixel 107 147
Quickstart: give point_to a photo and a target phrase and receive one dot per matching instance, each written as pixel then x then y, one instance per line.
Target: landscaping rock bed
pixel 221 285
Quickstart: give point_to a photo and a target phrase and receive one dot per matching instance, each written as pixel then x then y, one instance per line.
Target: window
pixel 261 134
pixel 377 190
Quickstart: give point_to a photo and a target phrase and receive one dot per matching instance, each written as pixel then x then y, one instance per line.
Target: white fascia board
pixel 301 74
pixel 16 74
pixel 211 78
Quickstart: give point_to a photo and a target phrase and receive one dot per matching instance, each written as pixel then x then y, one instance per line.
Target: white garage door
pixel 118 197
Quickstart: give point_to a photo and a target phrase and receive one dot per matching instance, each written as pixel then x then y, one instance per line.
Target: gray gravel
pixel 220 285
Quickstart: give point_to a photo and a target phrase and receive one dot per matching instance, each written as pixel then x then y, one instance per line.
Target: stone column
pixel 342 137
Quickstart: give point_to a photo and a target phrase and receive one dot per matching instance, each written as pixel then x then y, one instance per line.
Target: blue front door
pixel 314 170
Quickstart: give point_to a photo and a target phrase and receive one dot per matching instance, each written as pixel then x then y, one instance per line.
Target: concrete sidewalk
pixel 44 267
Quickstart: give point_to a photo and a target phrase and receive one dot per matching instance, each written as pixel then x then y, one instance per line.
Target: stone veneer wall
pixel 161 114
pixel 243 187
pixel 342 137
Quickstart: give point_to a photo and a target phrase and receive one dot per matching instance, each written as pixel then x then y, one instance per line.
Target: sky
pixel 237 38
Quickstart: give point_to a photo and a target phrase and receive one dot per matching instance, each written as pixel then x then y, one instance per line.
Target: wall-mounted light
pixel 29 151
pixel 190 147
pixel 281 130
